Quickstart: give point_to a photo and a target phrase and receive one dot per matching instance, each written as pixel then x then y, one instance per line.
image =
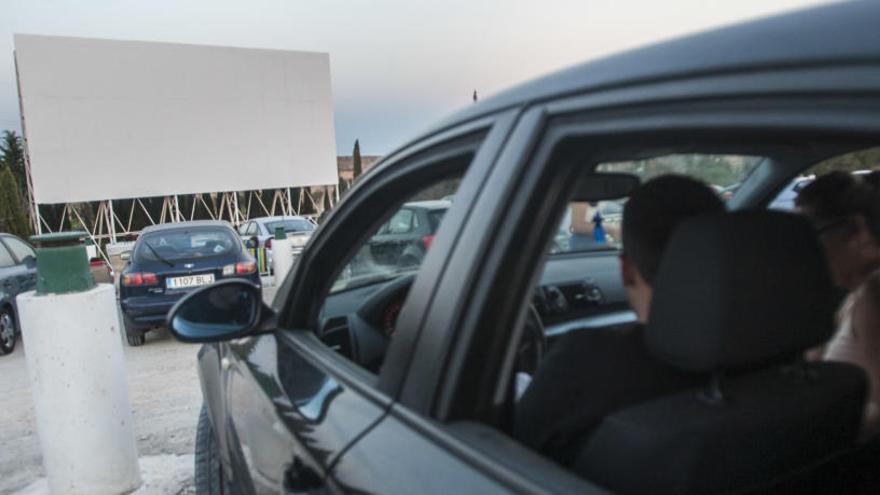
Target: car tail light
pixel 139 279
pixel 244 268
pixel 268 244
pixel 426 241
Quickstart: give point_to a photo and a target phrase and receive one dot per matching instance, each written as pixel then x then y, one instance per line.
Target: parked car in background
pixel 405 238
pixel 259 232
pixel 786 198
pixel 18 273
pixel 168 261
pixel 101 271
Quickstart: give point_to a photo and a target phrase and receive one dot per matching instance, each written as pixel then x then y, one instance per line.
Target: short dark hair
pixel 837 195
pixel 653 212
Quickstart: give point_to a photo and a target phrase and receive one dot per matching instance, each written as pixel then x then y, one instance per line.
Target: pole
pixel 236 213
pixel 36 210
pixel 112 222
pixel 282 256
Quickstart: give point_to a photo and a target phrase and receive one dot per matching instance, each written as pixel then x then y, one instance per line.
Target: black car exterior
pixel 18 273
pixel 198 252
pixel 285 411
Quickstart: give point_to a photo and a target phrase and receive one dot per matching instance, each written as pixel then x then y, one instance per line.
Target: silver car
pixel 258 233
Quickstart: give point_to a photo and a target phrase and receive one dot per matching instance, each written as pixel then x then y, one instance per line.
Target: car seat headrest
pixel 739 290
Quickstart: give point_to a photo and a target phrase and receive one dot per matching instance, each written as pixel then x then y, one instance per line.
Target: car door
pixel 25 269
pixel 10 273
pixel 408 448
pixel 286 405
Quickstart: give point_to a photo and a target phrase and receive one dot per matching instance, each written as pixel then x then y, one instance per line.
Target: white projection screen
pixel 124 119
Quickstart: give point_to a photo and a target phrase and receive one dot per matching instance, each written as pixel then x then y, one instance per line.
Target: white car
pixel 259 232
pixel 786 198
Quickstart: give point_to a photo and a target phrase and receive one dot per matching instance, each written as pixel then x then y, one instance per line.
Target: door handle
pixel 300 479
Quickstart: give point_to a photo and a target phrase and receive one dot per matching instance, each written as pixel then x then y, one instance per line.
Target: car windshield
pixel 596 226
pixel 185 243
pixel 290 225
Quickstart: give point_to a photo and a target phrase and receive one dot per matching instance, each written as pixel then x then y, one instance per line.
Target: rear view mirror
pixel 225 310
pixel 604 186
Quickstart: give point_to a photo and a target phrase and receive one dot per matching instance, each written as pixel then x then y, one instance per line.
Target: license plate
pixel 189 281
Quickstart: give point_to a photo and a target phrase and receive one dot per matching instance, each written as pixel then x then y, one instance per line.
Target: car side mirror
pixel 222 311
pixel 30 261
pixel 125 256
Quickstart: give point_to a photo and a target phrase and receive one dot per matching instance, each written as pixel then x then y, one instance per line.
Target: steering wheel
pixel 373 325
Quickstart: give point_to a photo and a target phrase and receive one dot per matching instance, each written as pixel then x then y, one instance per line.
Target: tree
pixel 13 218
pixel 12 157
pixel 356 167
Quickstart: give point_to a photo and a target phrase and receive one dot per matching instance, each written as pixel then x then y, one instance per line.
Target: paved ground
pixel 165 396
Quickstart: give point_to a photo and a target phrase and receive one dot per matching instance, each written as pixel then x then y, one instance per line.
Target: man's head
pixel 650 216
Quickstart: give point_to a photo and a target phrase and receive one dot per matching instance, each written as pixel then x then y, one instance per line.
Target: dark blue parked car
pixel 169 261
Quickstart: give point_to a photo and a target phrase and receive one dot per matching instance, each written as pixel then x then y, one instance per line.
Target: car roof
pixel 438 204
pixel 181 225
pixel 837 33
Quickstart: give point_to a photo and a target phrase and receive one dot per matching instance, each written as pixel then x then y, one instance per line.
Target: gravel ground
pixel 165 396
pixel 163 386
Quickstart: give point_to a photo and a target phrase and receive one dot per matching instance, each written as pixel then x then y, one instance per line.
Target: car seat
pixel 740 297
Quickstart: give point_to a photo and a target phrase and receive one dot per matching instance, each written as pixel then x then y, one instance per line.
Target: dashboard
pixel 576 290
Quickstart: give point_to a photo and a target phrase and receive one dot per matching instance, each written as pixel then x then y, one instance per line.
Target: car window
pixel 19 248
pixel 185 243
pixel 290 225
pixel 368 272
pixel 401 222
pixel 434 217
pixel 252 229
pixel 597 226
pixel 5 258
pixel 381 259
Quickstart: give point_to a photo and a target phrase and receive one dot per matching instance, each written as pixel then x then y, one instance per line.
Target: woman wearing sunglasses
pixel 845 209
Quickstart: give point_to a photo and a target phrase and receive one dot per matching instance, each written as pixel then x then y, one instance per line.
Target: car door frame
pixel 299 299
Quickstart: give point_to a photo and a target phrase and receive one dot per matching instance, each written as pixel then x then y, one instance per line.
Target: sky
pixel 396 65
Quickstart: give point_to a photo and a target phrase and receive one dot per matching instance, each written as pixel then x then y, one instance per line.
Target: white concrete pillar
pixel 282 259
pixel 74 353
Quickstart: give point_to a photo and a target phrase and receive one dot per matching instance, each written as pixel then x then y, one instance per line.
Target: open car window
pixel 596 226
